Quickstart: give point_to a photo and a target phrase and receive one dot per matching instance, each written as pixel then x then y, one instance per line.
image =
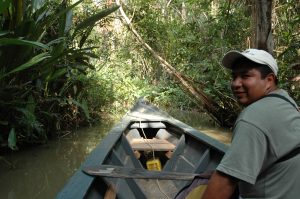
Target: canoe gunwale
pixel 80 183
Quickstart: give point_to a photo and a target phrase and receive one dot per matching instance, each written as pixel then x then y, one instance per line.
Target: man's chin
pixel 243 102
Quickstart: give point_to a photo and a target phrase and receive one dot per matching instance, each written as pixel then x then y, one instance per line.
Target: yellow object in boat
pixel 154 165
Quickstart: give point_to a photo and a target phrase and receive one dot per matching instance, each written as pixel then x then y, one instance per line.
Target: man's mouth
pixel 239 93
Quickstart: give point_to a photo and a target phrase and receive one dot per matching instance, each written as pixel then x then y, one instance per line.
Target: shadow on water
pixel 40 172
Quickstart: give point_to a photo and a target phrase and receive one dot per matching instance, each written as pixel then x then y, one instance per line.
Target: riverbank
pixel 41 171
pixel 202 122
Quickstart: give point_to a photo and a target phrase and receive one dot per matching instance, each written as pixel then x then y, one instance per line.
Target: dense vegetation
pixel 44 66
pixel 63 63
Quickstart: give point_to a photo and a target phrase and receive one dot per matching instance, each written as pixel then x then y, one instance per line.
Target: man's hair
pixel 262 68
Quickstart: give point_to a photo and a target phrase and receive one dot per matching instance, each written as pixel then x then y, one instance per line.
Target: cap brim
pixel 230 58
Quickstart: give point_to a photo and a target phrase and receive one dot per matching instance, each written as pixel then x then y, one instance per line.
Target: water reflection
pixel 40 172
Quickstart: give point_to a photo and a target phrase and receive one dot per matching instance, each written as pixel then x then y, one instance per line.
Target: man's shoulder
pixel 260 107
pixel 264 109
pixel 269 102
pixel 259 111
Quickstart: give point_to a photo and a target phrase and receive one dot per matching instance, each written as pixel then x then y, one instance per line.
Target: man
pixel 263 160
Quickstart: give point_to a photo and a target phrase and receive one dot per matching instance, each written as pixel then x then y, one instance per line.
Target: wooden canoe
pixel 144 132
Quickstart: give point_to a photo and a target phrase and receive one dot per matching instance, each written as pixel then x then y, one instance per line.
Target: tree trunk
pixel 262 25
pixel 217 112
pixel 183 12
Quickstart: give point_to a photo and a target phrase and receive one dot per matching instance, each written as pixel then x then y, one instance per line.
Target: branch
pixel 211 106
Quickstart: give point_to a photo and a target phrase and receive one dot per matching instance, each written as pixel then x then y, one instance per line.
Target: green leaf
pixel 83 106
pixel 85 109
pixel 14 41
pixel 57 74
pixel 94 18
pixel 4 4
pixel 2 33
pixel 12 139
pixel 68 21
pixel 36 4
pixel 36 59
pixel 56 41
pixel 69 8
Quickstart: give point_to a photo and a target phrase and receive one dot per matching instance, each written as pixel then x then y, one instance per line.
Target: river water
pixel 40 172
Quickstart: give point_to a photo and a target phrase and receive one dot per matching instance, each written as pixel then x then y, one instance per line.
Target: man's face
pixel 247 84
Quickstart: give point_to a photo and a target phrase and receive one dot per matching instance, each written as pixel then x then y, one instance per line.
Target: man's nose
pixel 236 82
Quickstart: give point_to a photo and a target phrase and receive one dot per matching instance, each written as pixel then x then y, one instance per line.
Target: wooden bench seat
pixel 140 144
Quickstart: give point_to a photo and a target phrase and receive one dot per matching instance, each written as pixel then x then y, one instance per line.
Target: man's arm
pixel 220 186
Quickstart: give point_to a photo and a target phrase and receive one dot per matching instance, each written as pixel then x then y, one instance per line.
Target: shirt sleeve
pixel 244 158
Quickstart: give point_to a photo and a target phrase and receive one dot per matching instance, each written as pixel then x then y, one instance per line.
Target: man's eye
pixel 245 76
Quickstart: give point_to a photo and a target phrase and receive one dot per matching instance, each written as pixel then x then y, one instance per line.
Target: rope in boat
pixel 161 190
pixel 147 141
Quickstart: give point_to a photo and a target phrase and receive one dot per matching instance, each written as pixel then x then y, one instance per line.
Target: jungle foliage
pixel 43 69
pixel 61 63
pixel 193 36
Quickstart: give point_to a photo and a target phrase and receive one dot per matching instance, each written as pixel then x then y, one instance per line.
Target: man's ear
pixel 271 77
pixel 271 80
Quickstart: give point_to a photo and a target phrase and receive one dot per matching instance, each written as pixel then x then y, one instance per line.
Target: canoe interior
pixel 179 148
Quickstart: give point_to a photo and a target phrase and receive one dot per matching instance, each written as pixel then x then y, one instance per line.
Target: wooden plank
pixel 140 144
pixel 155 125
pixel 137 173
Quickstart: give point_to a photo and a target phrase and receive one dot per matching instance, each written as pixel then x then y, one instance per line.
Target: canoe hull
pixel 194 152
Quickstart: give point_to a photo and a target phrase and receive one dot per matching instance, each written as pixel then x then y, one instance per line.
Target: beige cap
pixel 255 55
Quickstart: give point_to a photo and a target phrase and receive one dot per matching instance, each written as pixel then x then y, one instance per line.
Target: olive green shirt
pixel 265 131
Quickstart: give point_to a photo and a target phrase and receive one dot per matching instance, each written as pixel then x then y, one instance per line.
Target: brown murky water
pixel 203 123
pixel 40 172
